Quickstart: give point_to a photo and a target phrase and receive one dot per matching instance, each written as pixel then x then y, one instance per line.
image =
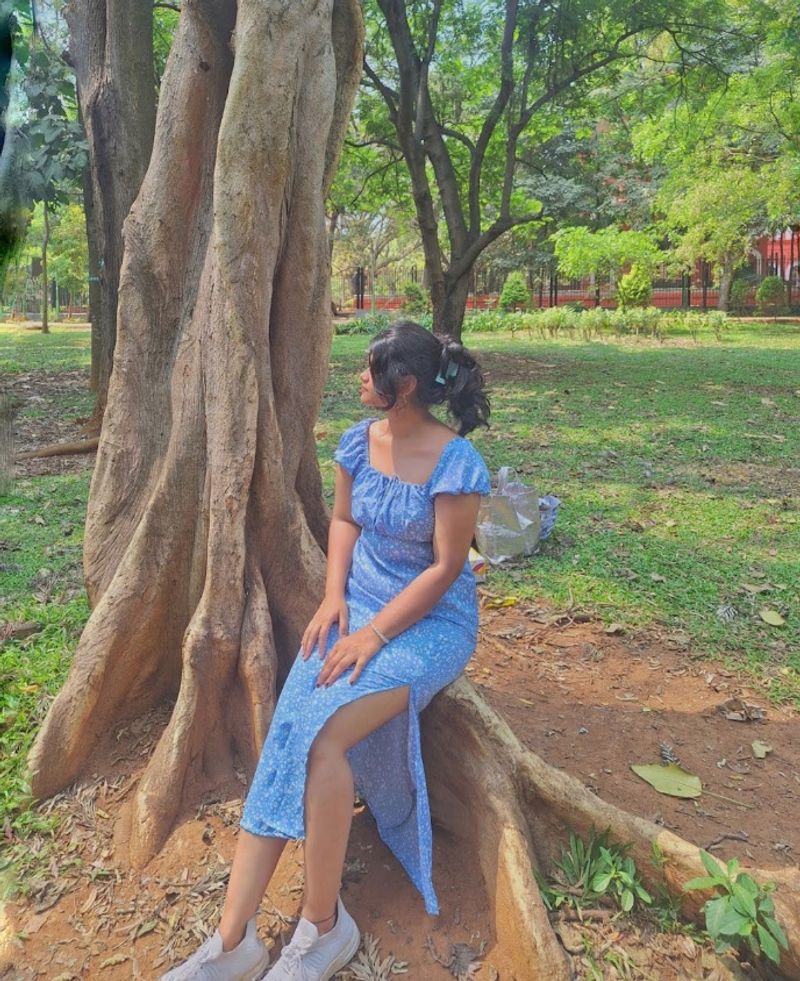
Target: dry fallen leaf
pixel 760 749
pixel 772 617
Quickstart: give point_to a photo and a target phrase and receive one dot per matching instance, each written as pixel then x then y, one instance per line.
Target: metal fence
pixel 357 291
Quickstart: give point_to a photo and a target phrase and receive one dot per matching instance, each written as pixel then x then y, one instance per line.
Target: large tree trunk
pixel 203 560
pixel 111 51
pixel 202 556
pixel 448 312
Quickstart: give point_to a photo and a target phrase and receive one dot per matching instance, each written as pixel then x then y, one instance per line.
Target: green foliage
pixel 417 300
pixel 374 323
pixel 587 324
pixel 771 296
pixel 741 289
pixel 635 288
pixel 583 252
pixel 486 322
pixel 69 253
pixel 52 154
pixel 743 911
pixel 588 872
pixel 515 292
pixel 370 324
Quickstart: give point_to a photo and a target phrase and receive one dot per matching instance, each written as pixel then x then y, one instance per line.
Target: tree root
pixel 59 449
pixel 514 810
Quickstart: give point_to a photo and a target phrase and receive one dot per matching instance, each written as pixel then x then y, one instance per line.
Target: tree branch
pixel 390 97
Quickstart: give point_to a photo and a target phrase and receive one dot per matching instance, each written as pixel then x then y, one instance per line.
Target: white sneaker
pixel 311 957
pixel 246 962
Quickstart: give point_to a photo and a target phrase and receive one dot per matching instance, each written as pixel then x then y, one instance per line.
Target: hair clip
pixel 450 372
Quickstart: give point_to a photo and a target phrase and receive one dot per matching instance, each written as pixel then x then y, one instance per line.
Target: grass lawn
pixel 678 466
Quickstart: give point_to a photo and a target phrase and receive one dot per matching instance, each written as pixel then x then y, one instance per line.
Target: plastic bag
pixel 509 520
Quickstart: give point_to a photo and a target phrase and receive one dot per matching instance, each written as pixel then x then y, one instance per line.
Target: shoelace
pixel 293 958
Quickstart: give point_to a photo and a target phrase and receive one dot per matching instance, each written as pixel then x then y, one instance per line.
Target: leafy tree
pixel 715 216
pixel 465 87
pixel 582 252
pixel 515 293
pixel 51 152
pixel 69 265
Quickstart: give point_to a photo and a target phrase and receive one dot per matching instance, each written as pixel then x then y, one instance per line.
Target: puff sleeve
pixel 351 450
pixel 461 472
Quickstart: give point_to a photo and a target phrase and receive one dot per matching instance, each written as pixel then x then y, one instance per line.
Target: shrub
pixel 372 323
pixel 635 288
pixel 486 322
pixel 771 296
pixel 417 300
pixel 515 292
pixel 739 295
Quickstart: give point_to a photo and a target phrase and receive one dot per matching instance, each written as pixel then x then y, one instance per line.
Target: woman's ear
pixel 407 387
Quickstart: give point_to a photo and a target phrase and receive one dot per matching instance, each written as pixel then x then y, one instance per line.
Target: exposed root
pixel 59 449
pixel 514 810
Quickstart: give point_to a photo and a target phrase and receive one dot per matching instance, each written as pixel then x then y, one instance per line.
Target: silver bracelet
pixel 381 636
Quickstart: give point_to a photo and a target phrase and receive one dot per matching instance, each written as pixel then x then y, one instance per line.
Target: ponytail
pixel 463 384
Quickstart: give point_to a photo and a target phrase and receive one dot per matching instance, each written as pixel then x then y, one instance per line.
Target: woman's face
pixel 368 394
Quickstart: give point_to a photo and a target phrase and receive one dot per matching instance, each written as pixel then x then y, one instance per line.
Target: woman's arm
pixel 454 526
pixel 342 535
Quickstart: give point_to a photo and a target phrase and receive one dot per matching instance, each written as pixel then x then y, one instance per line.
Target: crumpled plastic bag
pixel 509 520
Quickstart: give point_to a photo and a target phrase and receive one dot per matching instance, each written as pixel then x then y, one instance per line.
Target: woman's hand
pixel 333 609
pixel 356 649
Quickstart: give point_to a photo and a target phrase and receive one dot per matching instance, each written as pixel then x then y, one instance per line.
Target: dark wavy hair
pixel 444 369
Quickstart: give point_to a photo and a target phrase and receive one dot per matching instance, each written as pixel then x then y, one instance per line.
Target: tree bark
pixel 111 51
pixel 202 558
pixel 450 303
pixel 95 293
pixel 725 280
pixel 45 277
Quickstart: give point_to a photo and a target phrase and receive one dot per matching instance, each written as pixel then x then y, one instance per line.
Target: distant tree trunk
pixel 93 238
pixel 111 51
pixel 45 279
pixel 725 280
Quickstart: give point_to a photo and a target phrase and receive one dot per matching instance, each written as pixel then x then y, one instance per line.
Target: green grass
pixel 23 349
pixel 656 478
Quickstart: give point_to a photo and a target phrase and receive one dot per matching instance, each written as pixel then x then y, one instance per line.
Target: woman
pixel 398 622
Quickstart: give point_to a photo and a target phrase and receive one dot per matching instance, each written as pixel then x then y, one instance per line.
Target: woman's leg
pixel 329 797
pixel 254 861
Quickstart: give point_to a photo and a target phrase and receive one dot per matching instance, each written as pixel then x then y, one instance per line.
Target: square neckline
pixel 393 476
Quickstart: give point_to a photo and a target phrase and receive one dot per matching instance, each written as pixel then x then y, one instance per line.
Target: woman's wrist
pixel 378 632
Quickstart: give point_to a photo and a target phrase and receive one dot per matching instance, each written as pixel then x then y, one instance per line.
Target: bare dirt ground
pixel 587 701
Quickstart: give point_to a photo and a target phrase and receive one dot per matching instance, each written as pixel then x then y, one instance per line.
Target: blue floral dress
pixel 395 545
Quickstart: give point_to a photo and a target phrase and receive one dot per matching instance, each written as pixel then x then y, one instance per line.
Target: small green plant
pixel 616 875
pixel 515 292
pixel 589 872
pixel 417 301
pixel 743 913
pixel 635 288
pixel 771 296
